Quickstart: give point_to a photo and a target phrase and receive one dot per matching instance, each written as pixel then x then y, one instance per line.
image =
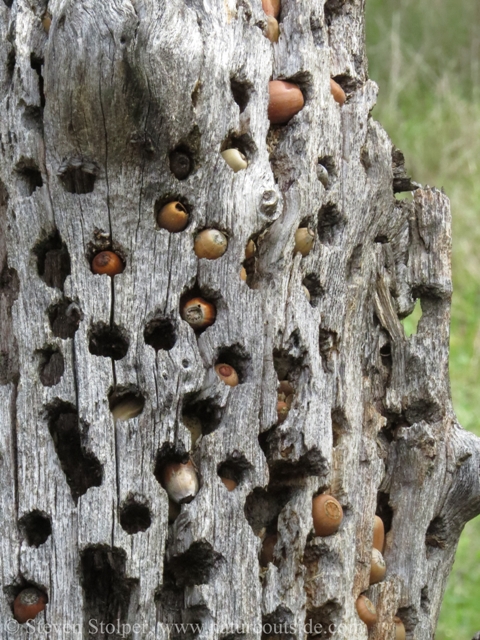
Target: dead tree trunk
pixel 123 106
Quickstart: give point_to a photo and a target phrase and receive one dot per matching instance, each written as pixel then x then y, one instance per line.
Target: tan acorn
pixel 28 604
pixel 210 244
pixel 400 632
pixel 47 21
pixel 366 611
pixel 250 249
pixel 327 515
pixel 306 292
pixel 378 567
pixel 229 483
pixel 285 100
pixel 243 274
pixel 227 374
pixel 273 30
pixel 282 411
pixel 173 217
pixel 180 481
pixel 127 408
pixel 378 534
pixel 199 313
pixel 107 262
pixel 268 546
pixel 235 159
pixel 337 92
pixel 304 238
pixel 271 7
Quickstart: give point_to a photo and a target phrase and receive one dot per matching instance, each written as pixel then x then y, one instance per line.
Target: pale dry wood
pixel 125 82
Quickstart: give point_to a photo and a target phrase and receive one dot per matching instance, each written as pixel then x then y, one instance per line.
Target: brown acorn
pixel 285 389
pixel 366 611
pixel 250 250
pixel 378 534
pixel 28 604
pixel 378 567
pixel 47 21
pixel 199 313
pixel 173 217
pixel 268 546
pixel 400 632
pixel 285 101
pixel 210 244
pixel 229 483
pixel 107 262
pixel 327 515
pixel 227 374
pixel 180 481
pixel 337 92
pixel 271 7
pixel 282 411
pixel 304 238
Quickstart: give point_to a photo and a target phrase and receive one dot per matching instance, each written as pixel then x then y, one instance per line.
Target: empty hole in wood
pixel 424 601
pixel 322 622
pixel 197 565
pixel 36 63
pixel 263 506
pixel 241 90
pixel 312 283
pixel 326 170
pixel 81 468
pixel 108 341
pixel 53 260
pixel 331 224
pixel 437 534
pixel 135 516
pixel 339 426
pixel 126 402
pixel 28 176
pixel 235 467
pixel 65 317
pixel 107 591
pixel 181 162
pixel 290 360
pixel 78 175
pixel 237 357
pixel 52 366
pixel 36 526
pixel 333 7
pixel 354 264
pixel 204 411
pixel 328 345
pixel 160 333
pixel 290 471
pixel 384 510
pixel 278 625
pixel 11 61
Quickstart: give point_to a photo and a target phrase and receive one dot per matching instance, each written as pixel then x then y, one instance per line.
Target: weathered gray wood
pixel 125 82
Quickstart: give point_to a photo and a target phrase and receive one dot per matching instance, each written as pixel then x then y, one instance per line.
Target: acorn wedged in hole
pixel 107 262
pixel 273 30
pixel 235 159
pixel 28 604
pixel 378 534
pixel 229 483
pixel 304 238
pixel 210 244
pixel 227 374
pixel 327 515
pixel 173 217
pixel 285 389
pixel 337 92
pixel 285 101
pixel 400 632
pixel 180 481
pixel 127 408
pixel 271 7
pixel 366 611
pixel 282 411
pixel 199 313
pixel 378 568
pixel 268 546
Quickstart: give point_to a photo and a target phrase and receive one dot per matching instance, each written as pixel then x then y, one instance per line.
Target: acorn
pixel 273 30
pixel 199 313
pixel 378 533
pixel 268 546
pixel 285 388
pixel 271 7
pixel 250 249
pixel 378 568
pixel 194 425
pixel 327 515
pixel 210 244
pixel 229 483
pixel 107 262
pixel 47 21
pixel 28 604
pixel 337 92
pixel 127 408
pixel 173 217
pixel 227 374
pixel 285 101
pixel 180 481
pixel 282 411
pixel 306 292
pixel 235 159
pixel 366 611
pixel 243 274
pixel 400 632
pixel 304 238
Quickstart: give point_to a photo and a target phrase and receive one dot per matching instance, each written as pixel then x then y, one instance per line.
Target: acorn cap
pixel 378 568
pixel 327 515
pixel 366 611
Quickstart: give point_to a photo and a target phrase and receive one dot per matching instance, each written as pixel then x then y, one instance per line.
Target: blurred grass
pixel 425 57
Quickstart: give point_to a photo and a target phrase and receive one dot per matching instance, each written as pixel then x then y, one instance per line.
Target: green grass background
pixel 425 57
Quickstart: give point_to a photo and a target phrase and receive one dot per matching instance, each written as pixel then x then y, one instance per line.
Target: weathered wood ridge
pixel 91 112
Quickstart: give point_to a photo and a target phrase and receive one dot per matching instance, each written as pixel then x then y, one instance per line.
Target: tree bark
pixel 118 108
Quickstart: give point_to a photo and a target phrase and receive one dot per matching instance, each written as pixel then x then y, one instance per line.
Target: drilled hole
pixel 241 92
pixel 278 625
pixel 237 357
pixel 135 516
pixel 37 63
pixel 53 260
pixel 437 534
pixel 196 566
pixel 235 467
pixel 81 468
pixel 328 344
pixel 384 510
pixel 201 411
pixel 29 177
pixel 181 162
pixel 36 527
pixel 160 334
pixel 244 143
pixel 198 308
pixel 107 590
pixel 52 366
pixel 65 317
pixel 78 175
pixel 126 402
pixel 322 622
pixel 330 224
pixel 314 288
pixel 339 426
pixel 263 506
pixel 108 341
